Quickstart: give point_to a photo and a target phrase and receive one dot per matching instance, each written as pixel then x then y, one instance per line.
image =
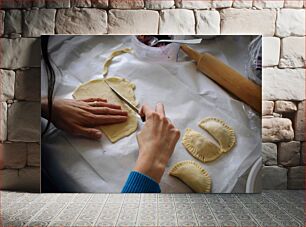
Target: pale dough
pixel 99 89
pixel 223 133
pixel 200 147
pixel 192 174
pixel 109 60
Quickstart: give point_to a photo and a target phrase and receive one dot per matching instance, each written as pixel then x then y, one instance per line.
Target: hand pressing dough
pixel 223 133
pixel 192 174
pixel 200 147
pixel 99 89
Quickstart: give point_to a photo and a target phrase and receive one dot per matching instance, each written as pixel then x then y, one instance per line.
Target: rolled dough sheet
pixel 99 89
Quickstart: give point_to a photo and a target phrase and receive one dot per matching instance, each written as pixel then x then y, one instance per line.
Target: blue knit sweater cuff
pixel 140 183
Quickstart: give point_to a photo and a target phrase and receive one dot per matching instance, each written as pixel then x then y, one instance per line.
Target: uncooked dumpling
pixel 223 133
pixel 200 147
pixel 192 174
pixel 99 89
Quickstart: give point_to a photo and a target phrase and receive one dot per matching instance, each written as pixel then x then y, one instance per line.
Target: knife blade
pixel 127 102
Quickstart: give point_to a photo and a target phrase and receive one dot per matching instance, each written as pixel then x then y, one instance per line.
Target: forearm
pixel 149 166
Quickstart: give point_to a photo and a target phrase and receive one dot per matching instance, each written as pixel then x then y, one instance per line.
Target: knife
pixel 127 102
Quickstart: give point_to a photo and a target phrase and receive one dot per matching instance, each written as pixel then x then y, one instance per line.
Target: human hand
pixel 156 142
pixel 82 117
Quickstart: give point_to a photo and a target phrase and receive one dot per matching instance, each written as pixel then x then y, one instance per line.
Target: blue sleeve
pixel 140 183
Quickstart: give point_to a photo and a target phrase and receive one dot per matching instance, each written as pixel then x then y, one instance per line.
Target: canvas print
pixel 151 114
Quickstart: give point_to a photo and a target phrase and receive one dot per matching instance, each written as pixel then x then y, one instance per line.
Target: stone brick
pixel 277 115
pixel 26 179
pixel 159 4
pixel 15 4
pixel 7 80
pixel 177 21
pixel 290 22
pixel 269 154
pixel 248 21
pixel 270 51
pixel 80 3
pixel 24 122
pixel 3 121
pixel 208 22
pixel 126 4
pixel 221 3
pixel 293 52
pixel 33 158
pixel 285 107
pixel 81 21
pixel 292 82
pixel 261 4
pixel 267 107
pixel 138 22
pixel 242 4
pixel 293 4
pixel 20 53
pixel 27 85
pixel 14 155
pixel 276 129
pixel 56 4
pixel 13 21
pixel 2 15
pixel 192 4
pixel 99 3
pixel 39 3
pixel 296 178
pixel 289 153
pixel 38 22
pixel 274 177
pixel 299 122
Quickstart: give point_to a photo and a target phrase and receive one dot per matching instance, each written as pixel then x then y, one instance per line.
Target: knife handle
pixel 143 118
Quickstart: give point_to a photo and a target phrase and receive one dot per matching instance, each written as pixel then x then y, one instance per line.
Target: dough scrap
pixel 109 60
pixel 200 147
pixel 223 133
pixel 192 174
pixel 99 89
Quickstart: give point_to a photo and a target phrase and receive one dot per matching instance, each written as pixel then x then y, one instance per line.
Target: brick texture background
pixel 281 22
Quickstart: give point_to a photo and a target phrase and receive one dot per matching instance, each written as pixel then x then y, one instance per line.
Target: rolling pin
pixel 231 80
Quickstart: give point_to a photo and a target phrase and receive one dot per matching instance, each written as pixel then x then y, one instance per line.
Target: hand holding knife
pixel 127 102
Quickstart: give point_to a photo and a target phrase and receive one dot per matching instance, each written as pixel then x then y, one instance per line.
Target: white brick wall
pixel 290 22
pixel 292 52
pixel 282 22
pixel 118 24
pixel 177 21
pixel 270 51
pixel 208 22
pixel 248 21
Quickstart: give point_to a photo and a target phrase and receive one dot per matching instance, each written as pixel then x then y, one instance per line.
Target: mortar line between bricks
pixel 195 21
pixel 55 16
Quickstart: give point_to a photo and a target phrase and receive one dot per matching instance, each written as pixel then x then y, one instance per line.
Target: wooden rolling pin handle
pixel 244 89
